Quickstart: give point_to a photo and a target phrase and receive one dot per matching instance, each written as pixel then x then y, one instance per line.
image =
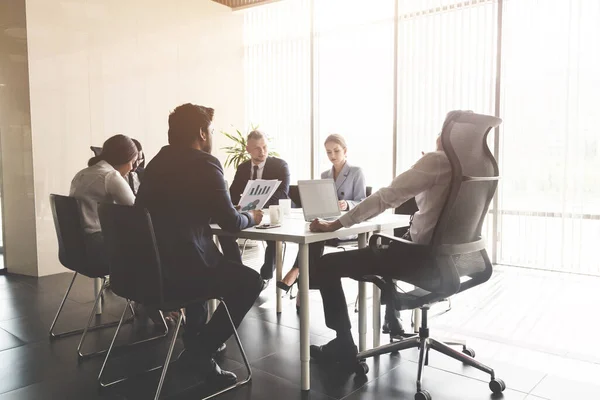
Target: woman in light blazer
pixel 351 190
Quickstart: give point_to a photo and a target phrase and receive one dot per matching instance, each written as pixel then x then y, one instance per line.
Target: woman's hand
pixel 324 226
pixel 343 205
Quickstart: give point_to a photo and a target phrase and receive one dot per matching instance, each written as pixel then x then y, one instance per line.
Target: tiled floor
pixel 534 328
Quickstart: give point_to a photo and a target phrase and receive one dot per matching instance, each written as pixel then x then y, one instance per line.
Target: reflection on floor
pixel 516 323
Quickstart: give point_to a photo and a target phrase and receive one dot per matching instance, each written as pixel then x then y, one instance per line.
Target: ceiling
pixel 239 4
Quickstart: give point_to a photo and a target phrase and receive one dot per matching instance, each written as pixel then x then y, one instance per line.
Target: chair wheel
pixel 497 386
pixel 422 395
pixel 362 368
pixel 469 351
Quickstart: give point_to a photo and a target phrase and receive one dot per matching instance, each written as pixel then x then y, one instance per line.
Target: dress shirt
pixel 259 173
pixel 428 181
pixel 100 183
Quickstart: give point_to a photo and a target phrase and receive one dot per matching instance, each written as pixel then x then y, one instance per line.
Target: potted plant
pixel 237 153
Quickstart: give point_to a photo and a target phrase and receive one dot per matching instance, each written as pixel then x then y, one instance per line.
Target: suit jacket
pixel 275 168
pixel 350 184
pixel 184 191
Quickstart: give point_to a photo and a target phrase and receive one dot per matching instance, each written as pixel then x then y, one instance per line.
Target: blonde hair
pixel 256 135
pixel 336 138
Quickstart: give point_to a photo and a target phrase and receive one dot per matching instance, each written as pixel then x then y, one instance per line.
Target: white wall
pixel 101 67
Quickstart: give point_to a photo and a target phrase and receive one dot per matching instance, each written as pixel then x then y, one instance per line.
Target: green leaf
pixel 236 154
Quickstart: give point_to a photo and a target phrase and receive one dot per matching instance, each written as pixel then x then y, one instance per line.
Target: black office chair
pixel 96 150
pixel 294 194
pixel 457 249
pixel 136 275
pixel 72 255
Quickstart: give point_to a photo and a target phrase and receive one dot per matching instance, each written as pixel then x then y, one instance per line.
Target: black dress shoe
pixel 207 369
pixel 218 378
pixel 393 326
pixel 335 352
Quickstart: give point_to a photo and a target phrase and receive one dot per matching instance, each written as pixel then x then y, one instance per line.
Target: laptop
pixel 319 199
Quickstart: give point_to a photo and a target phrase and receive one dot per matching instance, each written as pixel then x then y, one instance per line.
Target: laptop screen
pixel 319 199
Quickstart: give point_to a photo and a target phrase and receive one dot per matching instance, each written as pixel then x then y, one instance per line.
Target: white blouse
pixel 100 183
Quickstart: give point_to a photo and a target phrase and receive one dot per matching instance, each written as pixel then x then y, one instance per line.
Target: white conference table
pixel 294 229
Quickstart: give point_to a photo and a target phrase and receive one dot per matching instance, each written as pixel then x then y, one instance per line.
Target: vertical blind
pixel 550 140
pixel 277 79
pixel 354 86
pixel 328 66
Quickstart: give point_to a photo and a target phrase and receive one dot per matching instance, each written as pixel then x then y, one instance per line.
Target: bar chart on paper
pixel 257 193
pixel 259 190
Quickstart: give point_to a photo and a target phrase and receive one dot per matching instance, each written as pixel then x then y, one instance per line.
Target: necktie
pixel 255 173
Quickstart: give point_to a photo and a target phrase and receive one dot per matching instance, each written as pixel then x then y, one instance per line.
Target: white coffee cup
pixel 286 206
pixel 275 214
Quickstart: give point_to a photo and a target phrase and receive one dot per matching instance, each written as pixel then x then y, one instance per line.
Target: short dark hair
pixel 186 121
pixel 117 150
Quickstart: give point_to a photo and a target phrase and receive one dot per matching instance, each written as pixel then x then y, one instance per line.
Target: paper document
pixel 257 193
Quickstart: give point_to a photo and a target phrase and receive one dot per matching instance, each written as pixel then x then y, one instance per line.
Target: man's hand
pixel 325 226
pixel 257 215
pixel 237 208
pixel 343 205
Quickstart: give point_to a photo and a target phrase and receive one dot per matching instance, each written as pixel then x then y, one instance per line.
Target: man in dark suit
pixel 260 166
pixel 184 191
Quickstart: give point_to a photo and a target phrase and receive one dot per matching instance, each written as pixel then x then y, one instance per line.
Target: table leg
pixel 304 317
pixel 362 303
pixel 97 288
pixel 376 316
pixel 278 271
pixel 416 319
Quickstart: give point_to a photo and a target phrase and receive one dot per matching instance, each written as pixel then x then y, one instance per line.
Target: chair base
pixel 54 335
pixel 167 362
pixel 82 355
pixel 424 343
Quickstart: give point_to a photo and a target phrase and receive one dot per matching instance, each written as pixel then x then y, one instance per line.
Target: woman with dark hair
pixel 103 181
pixel 135 176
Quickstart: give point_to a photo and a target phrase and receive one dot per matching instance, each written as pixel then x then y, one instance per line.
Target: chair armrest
pixel 375 247
pixel 462 248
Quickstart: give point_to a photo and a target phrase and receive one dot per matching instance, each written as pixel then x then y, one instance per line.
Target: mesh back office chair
pixel 457 249
pixel 72 255
pixel 409 207
pixel 136 275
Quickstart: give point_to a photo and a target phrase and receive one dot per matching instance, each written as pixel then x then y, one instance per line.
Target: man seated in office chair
pixel 260 166
pixel 182 206
pixel 428 181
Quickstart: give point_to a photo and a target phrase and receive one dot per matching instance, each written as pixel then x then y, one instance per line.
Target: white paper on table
pixel 257 193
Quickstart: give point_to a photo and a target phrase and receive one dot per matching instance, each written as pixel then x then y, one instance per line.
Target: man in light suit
pixel 260 166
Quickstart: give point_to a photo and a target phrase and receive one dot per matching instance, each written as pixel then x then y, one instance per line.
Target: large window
pixel 277 79
pixel 324 66
pixel 550 139
pixel 446 61
pixel 354 83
